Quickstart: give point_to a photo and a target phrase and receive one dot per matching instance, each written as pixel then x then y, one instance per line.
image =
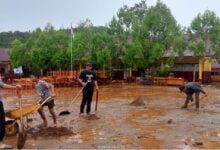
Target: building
pixel 4 61
pixel 189 67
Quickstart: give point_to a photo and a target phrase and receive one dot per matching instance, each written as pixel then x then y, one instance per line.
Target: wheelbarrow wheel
pixel 11 128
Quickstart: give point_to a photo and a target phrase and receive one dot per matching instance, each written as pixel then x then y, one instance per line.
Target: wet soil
pixel 92 117
pixel 137 102
pixel 50 132
pixel 159 124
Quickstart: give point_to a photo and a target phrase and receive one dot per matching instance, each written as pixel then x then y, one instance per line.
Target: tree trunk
pixel 41 72
pixel 80 66
pixel 130 72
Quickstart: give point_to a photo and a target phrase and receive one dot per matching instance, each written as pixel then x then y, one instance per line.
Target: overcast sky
pixel 27 15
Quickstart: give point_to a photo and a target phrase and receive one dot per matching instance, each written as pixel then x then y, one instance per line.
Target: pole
pixel 71 50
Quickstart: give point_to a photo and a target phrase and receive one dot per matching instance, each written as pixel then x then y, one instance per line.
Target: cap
pixel 89 64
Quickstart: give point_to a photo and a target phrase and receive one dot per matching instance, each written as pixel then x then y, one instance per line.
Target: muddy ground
pixel 160 123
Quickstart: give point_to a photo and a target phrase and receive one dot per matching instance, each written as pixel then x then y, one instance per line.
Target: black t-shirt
pixel 88 76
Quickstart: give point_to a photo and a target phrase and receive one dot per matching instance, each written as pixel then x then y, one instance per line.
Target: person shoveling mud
pixel 189 89
pixel 137 102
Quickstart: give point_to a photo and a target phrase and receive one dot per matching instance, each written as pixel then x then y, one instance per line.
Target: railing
pixel 163 81
pixel 62 79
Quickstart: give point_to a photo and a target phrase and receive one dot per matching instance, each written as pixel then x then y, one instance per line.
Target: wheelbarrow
pixel 16 123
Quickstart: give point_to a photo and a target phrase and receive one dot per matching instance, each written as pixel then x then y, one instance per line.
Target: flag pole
pixel 71 50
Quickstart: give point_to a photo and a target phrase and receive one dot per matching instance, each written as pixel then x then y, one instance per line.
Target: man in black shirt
pixel 189 89
pixel 88 79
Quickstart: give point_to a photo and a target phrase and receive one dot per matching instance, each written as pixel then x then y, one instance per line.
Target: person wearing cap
pixel 189 89
pixel 88 79
pixel 2 114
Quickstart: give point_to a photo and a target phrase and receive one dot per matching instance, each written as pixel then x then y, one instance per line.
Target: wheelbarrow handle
pixel 19 93
pixel 45 101
pixel 20 105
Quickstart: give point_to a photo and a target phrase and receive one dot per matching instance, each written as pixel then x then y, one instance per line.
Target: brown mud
pixel 159 124
pixel 137 102
pixel 50 132
pixel 92 117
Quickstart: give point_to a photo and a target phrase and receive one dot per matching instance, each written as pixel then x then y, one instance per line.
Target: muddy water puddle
pixel 120 125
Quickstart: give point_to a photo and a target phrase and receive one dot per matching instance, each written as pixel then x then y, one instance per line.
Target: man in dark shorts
pixel 88 79
pixel 2 114
pixel 189 89
pixel 43 88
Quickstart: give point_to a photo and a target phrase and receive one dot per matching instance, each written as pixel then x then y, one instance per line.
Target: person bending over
pixel 189 89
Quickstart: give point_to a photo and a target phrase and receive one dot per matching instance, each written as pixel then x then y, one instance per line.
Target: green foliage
pixel 18 54
pixel 133 56
pixel 205 34
pixel 103 58
pixel 163 71
pixel 82 42
pixel 7 37
pixel 136 37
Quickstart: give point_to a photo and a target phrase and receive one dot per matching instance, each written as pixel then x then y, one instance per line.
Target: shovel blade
pixel 22 136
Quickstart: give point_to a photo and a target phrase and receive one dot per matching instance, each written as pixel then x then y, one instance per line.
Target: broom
pixel 67 112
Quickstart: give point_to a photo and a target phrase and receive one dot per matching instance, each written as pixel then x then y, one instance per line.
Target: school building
pixel 191 68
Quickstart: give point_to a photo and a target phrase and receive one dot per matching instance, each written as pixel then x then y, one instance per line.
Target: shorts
pixel 50 104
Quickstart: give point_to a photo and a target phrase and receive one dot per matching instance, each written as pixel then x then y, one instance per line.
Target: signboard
pixel 18 71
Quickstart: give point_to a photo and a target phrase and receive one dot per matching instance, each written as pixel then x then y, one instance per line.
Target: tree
pixel 204 34
pixel 133 56
pixel 121 28
pixel 47 46
pixel 7 37
pixel 158 32
pixel 101 49
pixel 82 42
pixel 103 58
pixel 18 54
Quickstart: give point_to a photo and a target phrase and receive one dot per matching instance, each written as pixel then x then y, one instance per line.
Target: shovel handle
pixel 20 105
pixel 97 99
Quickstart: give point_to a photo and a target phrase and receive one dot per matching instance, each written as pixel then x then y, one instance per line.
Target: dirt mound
pixel 92 117
pixel 51 132
pixel 137 102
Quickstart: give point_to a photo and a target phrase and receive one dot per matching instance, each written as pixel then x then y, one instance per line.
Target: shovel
pixel 97 100
pixel 22 136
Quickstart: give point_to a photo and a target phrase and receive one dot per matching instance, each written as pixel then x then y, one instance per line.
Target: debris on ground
pixel 170 121
pixel 137 102
pixel 141 137
pixel 66 112
pixel 198 144
pixel 51 132
pixel 92 117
